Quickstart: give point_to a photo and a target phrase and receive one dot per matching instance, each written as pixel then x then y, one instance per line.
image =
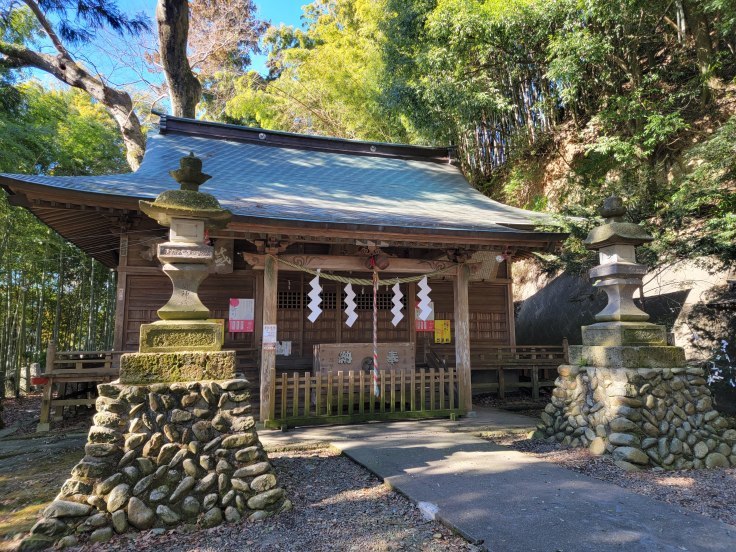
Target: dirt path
pixel 32 470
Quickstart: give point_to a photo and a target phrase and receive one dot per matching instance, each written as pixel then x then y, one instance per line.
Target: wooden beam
pixel 462 340
pixel 268 352
pixel 351 263
pixel 411 298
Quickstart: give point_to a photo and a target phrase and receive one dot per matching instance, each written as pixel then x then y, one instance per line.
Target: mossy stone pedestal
pixel 161 455
pixel 625 392
pixel 167 336
pixel 173 440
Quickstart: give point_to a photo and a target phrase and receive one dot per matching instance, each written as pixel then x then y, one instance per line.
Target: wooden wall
pixel 147 289
pixel 489 311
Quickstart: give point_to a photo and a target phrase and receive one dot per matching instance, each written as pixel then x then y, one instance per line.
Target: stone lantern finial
pixel 189 174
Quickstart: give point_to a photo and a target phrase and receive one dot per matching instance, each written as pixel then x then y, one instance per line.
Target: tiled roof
pixel 311 180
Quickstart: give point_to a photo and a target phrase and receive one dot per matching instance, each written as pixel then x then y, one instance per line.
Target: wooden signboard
pixel 337 357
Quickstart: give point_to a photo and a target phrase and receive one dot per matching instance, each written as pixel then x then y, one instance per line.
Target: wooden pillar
pixel 120 296
pixel 462 339
pixel 510 302
pixel 268 352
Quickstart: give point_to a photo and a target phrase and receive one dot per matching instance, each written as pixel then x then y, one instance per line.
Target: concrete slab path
pixel 507 500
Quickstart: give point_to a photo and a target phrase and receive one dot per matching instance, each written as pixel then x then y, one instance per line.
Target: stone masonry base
pixel 662 417
pixel 160 455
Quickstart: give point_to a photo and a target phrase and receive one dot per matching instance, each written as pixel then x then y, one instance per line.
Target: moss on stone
pixel 186 199
pixel 176 335
pixel 146 368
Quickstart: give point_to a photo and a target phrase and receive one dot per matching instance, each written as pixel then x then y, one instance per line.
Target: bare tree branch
pixel 64 68
pixel 46 26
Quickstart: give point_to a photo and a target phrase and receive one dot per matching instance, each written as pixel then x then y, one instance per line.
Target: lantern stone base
pixel 624 333
pixel 646 416
pixel 160 456
pixel 152 368
pixel 167 336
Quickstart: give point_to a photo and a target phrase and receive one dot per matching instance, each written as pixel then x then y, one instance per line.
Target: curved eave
pixel 101 207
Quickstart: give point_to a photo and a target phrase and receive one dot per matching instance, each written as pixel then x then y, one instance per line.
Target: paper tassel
pixel 424 304
pixel 315 299
pixel 396 311
pixel 350 305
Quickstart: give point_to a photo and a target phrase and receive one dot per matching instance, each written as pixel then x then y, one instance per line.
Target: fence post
pixel 44 423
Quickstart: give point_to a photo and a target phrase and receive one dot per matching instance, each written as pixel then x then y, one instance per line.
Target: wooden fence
pixel 345 397
pixel 535 365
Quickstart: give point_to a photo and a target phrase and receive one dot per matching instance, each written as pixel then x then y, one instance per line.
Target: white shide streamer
pixel 396 311
pixel 315 299
pixel 350 305
pixel 425 308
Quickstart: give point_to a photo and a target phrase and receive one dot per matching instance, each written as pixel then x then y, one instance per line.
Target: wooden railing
pixel 74 376
pixel 535 365
pixel 345 397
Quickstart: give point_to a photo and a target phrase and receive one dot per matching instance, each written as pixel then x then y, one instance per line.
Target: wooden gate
pixel 345 397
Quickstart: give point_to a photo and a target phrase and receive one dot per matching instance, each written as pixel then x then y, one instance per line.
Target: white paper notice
pixel 269 334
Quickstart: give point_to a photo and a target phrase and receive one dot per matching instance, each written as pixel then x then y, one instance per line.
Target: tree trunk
pixel 698 26
pixel 91 315
pixel 185 90
pixel 59 296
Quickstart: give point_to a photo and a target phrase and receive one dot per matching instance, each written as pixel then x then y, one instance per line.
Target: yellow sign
pixel 442 332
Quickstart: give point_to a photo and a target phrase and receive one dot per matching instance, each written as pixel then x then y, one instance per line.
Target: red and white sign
pixel 424 325
pixel 241 318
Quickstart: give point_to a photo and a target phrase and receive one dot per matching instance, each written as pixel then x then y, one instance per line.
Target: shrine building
pixel 305 206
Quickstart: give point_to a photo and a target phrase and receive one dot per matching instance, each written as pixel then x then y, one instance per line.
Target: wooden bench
pixel 537 362
pixel 74 376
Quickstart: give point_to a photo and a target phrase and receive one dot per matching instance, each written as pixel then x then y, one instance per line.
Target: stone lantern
pixel 173 440
pixel 625 392
pixel 621 322
pixel 186 260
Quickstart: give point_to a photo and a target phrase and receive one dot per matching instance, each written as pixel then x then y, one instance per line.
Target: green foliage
pixel 636 78
pixel 71 134
pixel 48 287
pixel 303 95
pixel 699 215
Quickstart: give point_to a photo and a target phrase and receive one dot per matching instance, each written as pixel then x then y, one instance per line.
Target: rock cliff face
pixel 549 308
pixel 162 454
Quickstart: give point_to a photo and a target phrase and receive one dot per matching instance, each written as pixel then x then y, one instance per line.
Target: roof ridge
pixel 279 138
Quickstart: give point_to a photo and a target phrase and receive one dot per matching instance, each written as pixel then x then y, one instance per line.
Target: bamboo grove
pixel 49 290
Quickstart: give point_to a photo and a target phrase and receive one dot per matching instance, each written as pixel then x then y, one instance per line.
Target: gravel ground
pixel 519 403
pixel 22 415
pixel 338 506
pixel 708 492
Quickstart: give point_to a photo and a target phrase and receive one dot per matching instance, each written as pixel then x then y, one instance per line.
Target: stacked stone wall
pixel 661 417
pixel 163 454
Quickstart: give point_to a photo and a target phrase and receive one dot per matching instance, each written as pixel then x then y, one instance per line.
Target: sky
pixel 119 58
pixel 287 12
